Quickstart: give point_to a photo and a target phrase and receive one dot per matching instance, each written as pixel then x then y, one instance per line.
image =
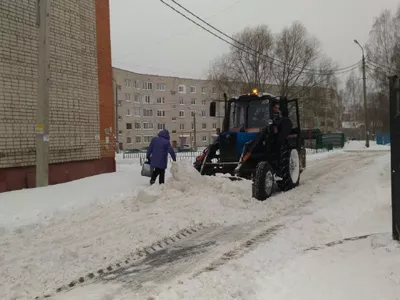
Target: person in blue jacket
pixel 157 155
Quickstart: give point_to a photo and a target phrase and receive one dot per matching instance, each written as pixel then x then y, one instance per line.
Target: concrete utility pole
pixel 365 96
pixel 194 130
pixel 117 87
pixel 42 113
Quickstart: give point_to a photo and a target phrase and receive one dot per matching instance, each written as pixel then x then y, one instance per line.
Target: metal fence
pixel 179 155
pixel 191 156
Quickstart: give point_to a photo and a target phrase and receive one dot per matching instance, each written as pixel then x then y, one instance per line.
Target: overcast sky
pixel 148 37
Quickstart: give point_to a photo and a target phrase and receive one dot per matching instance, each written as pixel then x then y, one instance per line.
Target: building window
pixel 137 98
pixel 147 138
pixel 193 101
pixel 129 112
pixel 127 97
pixel 204 138
pixel 120 103
pixel 160 126
pixel 192 126
pixel 181 101
pixel 138 139
pixel 161 87
pixel 182 89
pixel 128 126
pixel 147 86
pixel 129 140
pixel 181 113
pixel 138 125
pixel 181 126
pixel 119 118
pixel 173 118
pixel 128 83
pixel 160 100
pixel 203 102
pixel 214 125
pixel 204 90
pixel 214 90
pixel 203 113
pixel 148 125
pixel 119 132
pixel 193 89
pixel 147 99
pixel 136 111
pixel 192 113
pixel 204 126
pixel 147 112
pixel 137 84
pixel 173 131
pixel 160 113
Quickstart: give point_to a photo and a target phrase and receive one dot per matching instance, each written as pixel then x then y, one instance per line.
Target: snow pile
pixel 301 262
pixel 186 182
pixel 23 207
pixel 357 146
pixel 51 236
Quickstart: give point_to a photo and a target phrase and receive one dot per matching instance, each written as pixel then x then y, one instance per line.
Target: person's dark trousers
pixel 158 172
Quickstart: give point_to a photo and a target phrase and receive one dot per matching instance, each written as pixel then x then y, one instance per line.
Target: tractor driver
pixel 276 116
pixel 281 126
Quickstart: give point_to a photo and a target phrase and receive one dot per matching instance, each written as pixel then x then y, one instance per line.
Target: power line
pixel 176 34
pixel 313 71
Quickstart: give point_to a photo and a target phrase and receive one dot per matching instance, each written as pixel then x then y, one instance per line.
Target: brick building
pixel 81 94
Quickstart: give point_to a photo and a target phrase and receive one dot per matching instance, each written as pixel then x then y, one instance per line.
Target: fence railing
pixel 191 156
pixel 179 155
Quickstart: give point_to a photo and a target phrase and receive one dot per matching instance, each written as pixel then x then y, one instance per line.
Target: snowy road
pixel 43 260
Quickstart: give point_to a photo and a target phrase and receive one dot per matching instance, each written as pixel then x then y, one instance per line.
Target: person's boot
pixel 152 182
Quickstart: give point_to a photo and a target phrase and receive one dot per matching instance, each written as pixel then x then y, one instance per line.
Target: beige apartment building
pixel 150 103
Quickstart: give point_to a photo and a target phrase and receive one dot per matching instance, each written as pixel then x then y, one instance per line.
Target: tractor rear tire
pixel 263 183
pixel 289 169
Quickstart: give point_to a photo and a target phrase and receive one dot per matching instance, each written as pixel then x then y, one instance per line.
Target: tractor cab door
pixel 292 109
pixel 294 116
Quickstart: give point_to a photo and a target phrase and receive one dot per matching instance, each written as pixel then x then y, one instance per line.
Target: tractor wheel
pixel 263 183
pixel 289 169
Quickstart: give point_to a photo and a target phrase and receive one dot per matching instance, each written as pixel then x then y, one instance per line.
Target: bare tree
pixel 298 64
pixel 353 96
pixel 383 58
pixel 378 112
pixel 243 69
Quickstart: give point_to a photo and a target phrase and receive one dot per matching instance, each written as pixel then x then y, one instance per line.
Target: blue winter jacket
pixel 159 149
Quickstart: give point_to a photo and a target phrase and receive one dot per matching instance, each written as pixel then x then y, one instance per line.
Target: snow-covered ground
pixel 357 146
pixel 52 235
pixel 300 263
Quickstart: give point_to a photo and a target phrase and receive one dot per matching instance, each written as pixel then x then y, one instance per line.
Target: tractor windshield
pixel 249 115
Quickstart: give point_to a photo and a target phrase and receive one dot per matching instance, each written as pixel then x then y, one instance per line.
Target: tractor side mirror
pixel 213 109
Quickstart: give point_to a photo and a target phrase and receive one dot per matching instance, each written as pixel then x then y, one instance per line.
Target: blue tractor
pixel 255 145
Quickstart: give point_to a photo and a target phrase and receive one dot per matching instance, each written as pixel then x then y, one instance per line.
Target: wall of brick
pixel 74 82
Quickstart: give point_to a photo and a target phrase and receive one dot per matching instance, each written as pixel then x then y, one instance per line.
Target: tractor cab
pixel 250 135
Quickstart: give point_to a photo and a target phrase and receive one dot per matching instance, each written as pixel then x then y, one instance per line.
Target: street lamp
pixel 116 113
pixel 365 96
